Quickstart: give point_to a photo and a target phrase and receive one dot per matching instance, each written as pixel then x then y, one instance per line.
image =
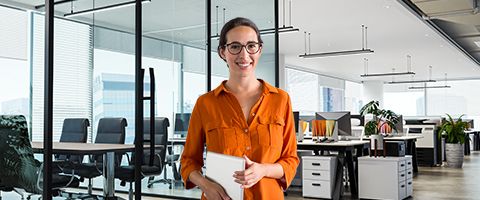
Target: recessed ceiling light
pixel 426 34
pixel 387 6
pixel 477 43
pixel 441 45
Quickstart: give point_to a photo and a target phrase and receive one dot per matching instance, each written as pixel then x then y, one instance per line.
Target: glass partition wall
pixel 94 66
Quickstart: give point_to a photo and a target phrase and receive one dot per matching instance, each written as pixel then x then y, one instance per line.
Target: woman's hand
pixel 254 173
pixel 213 191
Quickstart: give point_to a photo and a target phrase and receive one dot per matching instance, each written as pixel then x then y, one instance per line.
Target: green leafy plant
pixel 454 130
pixel 381 117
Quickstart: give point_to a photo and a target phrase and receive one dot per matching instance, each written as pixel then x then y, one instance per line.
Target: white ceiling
pixel 335 25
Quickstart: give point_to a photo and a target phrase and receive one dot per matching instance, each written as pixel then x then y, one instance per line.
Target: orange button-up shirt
pixel 218 121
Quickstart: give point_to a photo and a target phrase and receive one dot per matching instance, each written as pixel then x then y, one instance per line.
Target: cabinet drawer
pixel 402 166
pixel 409 187
pixel 402 176
pixel 320 164
pixel 316 174
pixel 319 189
pixel 402 190
pixel 409 173
pixel 409 163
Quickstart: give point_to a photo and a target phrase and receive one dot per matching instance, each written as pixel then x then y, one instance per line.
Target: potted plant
pixel 454 134
pixel 382 119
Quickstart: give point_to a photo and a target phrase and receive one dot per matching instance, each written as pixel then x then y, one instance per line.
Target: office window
pixel 353 97
pixel 72 89
pixel 14 69
pixel 114 93
pixel 303 89
pixel 405 103
pixel 333 99
pixel 461 98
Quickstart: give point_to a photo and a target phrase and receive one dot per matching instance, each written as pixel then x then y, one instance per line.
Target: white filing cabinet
pixel 318 176
pixel 385 178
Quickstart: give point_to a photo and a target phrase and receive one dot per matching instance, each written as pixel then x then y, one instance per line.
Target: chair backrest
pixel 18 166
pixel 74 130
pixel 111 131
pixel 161 134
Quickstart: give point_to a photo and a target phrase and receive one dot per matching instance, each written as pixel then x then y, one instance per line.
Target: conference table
pixel 107 150
pixel 343 148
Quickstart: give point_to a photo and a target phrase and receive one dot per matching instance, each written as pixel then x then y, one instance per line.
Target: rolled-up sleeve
pixel 192 156
pixel 288 159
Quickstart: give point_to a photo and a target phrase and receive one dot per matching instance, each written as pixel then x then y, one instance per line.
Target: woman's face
pixel 242 64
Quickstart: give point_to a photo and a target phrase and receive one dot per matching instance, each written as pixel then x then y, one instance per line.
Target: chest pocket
pixel 270 131
pixel 220 136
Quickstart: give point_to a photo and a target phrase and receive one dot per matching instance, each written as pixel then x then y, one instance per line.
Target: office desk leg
pixel 351 174
pixel 412 150
pixel 108 175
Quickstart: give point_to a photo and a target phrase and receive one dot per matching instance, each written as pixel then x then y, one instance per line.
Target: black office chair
pixel 127 173
pixel 19 168
pixel 109 131
pixel 181 124
pixel 74 130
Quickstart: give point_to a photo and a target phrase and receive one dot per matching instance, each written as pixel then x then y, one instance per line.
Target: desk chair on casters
pixel 73 130
pixel 127 173
pixel 109 131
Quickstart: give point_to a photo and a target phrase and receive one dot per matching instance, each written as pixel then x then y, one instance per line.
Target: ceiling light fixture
pixel 416 81
pixel 431 87
pixel 408 72
pixel 283 29
pixel 364 49
pixel 428 87
pixel 104 8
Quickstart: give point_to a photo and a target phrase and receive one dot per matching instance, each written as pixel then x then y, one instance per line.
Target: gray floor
pixel 430 183
pixel 440 182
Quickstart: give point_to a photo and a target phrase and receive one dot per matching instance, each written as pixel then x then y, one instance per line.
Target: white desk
pixel 345 148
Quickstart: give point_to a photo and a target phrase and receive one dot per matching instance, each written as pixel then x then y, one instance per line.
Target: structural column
pixel 373 90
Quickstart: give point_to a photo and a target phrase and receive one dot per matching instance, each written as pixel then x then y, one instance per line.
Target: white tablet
pixel 220 168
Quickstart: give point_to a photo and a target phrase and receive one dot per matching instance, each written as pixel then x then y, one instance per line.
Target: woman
pixel 244 117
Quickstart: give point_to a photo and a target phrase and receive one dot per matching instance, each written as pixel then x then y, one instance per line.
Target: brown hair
pixel 239 21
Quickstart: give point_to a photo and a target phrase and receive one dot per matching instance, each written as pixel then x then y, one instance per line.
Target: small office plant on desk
pixel 383 121
pixel 454 134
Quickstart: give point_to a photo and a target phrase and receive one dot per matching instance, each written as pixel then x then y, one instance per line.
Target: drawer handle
pixel 409 172
pixel 316 164
pixel 316 174
pixel 402 186
pixel 316 184
pixel 402 165
pixel 409 183
pixel 409 163
pixel 402 175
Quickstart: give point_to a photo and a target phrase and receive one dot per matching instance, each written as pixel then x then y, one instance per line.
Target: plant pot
pixel 379 139
pixel 454 154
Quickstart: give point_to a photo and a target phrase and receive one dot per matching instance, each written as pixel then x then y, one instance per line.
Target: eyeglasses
pixel 251 47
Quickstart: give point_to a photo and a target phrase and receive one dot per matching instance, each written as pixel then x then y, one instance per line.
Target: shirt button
pixel 248 148
pixel 253 114
pixel 245 130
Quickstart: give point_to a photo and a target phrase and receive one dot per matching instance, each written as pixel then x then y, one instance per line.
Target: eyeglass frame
pixel 260 45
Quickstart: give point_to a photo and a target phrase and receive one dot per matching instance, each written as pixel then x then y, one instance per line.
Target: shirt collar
pixel 267 88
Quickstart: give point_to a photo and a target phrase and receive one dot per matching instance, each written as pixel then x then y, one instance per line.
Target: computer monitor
pixel 343 126
pixel 181 123
pixel 307 118
pixel 296 118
